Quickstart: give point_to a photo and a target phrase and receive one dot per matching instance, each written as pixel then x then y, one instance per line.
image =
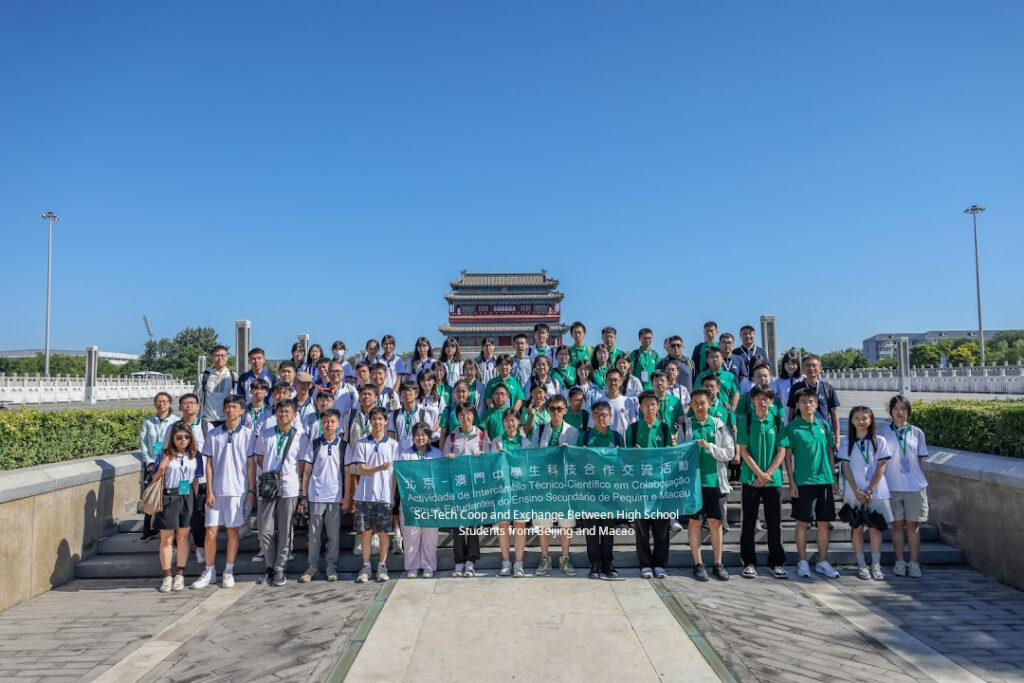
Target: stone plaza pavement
pixel 955 624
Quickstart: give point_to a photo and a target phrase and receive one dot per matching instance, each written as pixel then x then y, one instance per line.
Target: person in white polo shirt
pixel 557 432
pixel 323 493
pixel 228 488
pixel 277 450
pixel 177 470
pixel 908 488
pixel 371 462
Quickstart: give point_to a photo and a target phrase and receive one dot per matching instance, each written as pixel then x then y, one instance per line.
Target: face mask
pixel 338 354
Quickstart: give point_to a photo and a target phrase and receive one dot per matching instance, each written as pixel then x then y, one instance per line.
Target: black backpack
pixel 666 436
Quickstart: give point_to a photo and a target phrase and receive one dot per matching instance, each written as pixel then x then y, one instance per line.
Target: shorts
pixel 371 516
pixel 814 504
pixel 177 512
pixel 713 505
pixel 226 511
pixel 911 506
pixel 548 522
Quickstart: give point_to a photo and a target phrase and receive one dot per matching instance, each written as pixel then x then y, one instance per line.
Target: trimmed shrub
pixel 995 427
pixel 32 437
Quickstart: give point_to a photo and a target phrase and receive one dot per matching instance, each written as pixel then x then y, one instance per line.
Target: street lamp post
pixel 974 210
pixel 50 217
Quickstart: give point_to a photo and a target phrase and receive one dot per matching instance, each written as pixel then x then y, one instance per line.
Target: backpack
pixel 394 418
pixel 452 437
pixel 616 438
pixel 202 385
pixel 665 435
pixel 779 425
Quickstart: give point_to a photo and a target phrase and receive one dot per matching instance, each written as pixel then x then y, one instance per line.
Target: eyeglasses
pixel 189 403
pixel 676 345
pixel 334 372
pixel 182 437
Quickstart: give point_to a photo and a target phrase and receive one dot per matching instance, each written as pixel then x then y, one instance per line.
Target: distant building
pixel 500 305
pixel 113 357
pixel 884 345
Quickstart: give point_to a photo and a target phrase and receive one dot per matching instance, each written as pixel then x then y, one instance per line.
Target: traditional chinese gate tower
pixel 500 305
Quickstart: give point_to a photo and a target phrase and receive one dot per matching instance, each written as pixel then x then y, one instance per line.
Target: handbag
pixel 271 483
pixel 153 497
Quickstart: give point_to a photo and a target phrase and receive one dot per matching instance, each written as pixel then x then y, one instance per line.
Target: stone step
pixel 142 565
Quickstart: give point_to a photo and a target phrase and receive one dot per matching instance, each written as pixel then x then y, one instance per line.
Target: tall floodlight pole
pixel 50 217
pixel 974 210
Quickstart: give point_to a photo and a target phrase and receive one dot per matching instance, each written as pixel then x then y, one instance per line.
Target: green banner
pixel 519 485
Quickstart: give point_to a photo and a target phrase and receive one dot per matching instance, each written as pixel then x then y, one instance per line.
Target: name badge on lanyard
pixel 184 485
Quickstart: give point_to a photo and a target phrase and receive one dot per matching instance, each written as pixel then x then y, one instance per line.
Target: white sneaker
pixel 201 556
pixel 676 526
pixel 227 580
pixel 876 572
pixel 823 567
pixel 396 544
pixel 459 571
pixel 364 574
pixel 375 545
pixel 208 576
pixel 863 572
pixel 411 574
pixel 518 571
pixel 179 583
pixel 803 569
pixel 506 568
pixel 470 570
pixel 914 570
pixel 428 574
pixel 167 584
pixel 900 568
pixel 357 547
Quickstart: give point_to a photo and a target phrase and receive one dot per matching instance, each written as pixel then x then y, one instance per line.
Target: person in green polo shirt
pixel 503 368
pixel 565 372
pixel 579 351
pixel 608 336
pixel 534 415
pixel 650 432
pixel 762 443
pixel 728 387
pixel 449 419
pixel 670 408
pixel 717 409
pixel 716 450
pixel 600 539
pixel 700 351
pixel 493 419
pixel 644 359
pixel 811 466
pixel 759 374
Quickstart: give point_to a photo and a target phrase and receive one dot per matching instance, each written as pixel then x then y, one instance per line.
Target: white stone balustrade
pixel 1003 379
pixel 36 389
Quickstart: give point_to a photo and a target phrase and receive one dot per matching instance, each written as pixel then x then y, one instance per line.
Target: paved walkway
pixel 954 624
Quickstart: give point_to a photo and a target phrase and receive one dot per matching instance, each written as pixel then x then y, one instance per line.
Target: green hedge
pixel 32 437
pixel 995 427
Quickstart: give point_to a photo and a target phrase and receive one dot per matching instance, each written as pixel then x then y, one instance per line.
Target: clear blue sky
pixel 328 167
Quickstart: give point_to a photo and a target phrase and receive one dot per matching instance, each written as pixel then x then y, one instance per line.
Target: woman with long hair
pixel 177 468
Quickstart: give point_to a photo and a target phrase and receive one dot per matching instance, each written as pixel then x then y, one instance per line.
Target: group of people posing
pixel 316 440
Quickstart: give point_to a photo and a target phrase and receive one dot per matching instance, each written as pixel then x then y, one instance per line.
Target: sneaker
pixel 279 578
pixel 914 570
pixel 780 573
pixel 676 526
pixel 506 568
pixel 876 572
pixel 227 580
pixel 646 573
pixel 565 566
pixel 823 567
pixel 396 544
pixel 803 569
pixel 357 547
pixel 308 575
pixel 459 571
pixel 148 537
pixel 544 566
pixel 167 584
pixel 364 574
pixel 700 573
pixel 660 573
pixel 517 570
pixel 610 572
pixel 201 556
pixel 291 556
pixel 179 582
pixel 332 574
pixel 470 570
pixel 427 574
pixel 375 545
pixel 208 576
pixel 382 574
pixel 749 572
pixel 863 572
pixel 595 573
pixel 720 572
pixel 900 568
pixel 266 577
pixel 412 574
pixel 259 558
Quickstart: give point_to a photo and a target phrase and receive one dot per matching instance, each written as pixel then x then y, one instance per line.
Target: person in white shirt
pixel 908 488
pixel 625 410
pixel 511 437
pixel 466 440
pixel 228 486
pixel 631 386
pixel 188 404
pixel 451 358
pixel 674 387
pixel 865 457
pixel 557 432
pixel 422 357
pixel 394 365
pixel 344 394
pixel 355 426
pixel 371 462
pixel 541 347
pixel 313 424
pixel 177 470
pixel 323 494
pixel 258 409
pixel 277 451
pixel 522 366
pixel 487 361
pixel 400 424
pixel 215 385
pixel 420 541
pixel 542 377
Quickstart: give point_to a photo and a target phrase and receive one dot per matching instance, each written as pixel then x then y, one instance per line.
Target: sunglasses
pixel 182 437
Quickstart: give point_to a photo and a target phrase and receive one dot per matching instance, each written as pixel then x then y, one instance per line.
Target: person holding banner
pixel 466 440
pixel 557 432
pixel 420 541
pixel 509 438
pixel 600 541
pixel 650 432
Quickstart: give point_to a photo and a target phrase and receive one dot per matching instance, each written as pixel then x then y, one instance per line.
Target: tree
pixel 844 360
pixel 73 366
pixel 925 354
pixel 965 354
pixel 178 356
pixel 887 363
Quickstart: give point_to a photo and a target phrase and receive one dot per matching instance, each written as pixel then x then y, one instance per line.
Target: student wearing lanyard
pixel 313 425
pixel 625 410
pixel 541 337
pixel 304 399
pixel 504 376
pixel 357 426
pixel 486 360
pixel 188 404
pixel 444 390
pixel 257 411
pixel 747 351
pixel 522 366
pixel 400 424
pixel 864 460
pixel 277 450
pixel 601 364
pixel 151 441
pixel 716 450
pixel 565 371
pixel 534 415
pixel 466 440
pixel 451 356
pixel 449 420
pixel 908 488
pixel 557 432
pixel 731 363
pixel 644 359
pixel 396 370
pixel 789 374
pixel 700 351
pixel 650 432
pixel 177 468
pixel 323 494
pixel 828 401
pixel 542 376
pixel 579 350
pixel 371 461
pixel 420 541
pixel 493 419
pixel 600 539
pixel 728 385
pixel 608 337
pixel 631 385
pixel 471 376
pixel 507 439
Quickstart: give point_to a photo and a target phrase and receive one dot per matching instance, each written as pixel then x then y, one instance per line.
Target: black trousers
pixel 599 549
pixel 198 522
pixel 658 531
pixel 752 498
pixel 466 544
